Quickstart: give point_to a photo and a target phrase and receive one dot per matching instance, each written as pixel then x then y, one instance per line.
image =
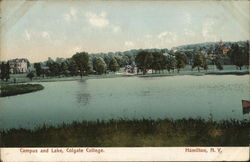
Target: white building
pixel 18 65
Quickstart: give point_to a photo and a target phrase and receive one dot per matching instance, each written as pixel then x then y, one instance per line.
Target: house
pixel 130 69
pixel 225 50
pixel 18 65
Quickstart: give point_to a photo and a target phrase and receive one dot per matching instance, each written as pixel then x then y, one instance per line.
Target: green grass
pixel 132 133
pixel 228 69
pixel 15 89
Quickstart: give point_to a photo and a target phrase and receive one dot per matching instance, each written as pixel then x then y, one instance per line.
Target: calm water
pixel 129 98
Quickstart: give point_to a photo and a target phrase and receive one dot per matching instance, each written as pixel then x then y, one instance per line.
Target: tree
pixel 170 63
pixel 30 75
pixel 38 68
pixel 218 62
pixel 2 71
pixel 119 60
pixel 158 61
pixel 113 65
pixel 72 67
pixel 99 65
pixel 63 68
pixel 144 61
pixel 82 62
pixel 54 68
pixel 107 59
pixel 5 71
pixel 181 60
pixel 247 54
pixel 28 64
pixel 238 55
pixel 199 61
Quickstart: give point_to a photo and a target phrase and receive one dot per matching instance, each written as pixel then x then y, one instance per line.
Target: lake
pixel 127 98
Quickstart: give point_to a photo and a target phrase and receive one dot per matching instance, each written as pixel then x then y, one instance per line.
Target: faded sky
pixel 40 29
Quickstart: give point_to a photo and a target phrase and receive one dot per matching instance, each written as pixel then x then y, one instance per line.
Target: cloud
pixel 97 20
pixel 27 35
pixel 101 21
pixel 167 36
pixel 71 15
pixel 129 44
pixel 45 35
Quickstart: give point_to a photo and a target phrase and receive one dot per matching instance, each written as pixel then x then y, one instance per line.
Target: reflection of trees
pixel 83 98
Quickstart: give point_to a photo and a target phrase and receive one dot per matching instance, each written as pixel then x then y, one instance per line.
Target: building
pixel 130 69
pixel 223 48
pixel 19 65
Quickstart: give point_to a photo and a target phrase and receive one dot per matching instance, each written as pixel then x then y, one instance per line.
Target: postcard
pixel 132 80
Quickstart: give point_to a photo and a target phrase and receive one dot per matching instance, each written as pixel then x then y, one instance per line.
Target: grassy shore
pixel 132 133
pixel 15 89
pixel 228 70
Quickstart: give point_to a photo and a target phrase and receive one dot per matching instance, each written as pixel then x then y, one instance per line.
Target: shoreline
pixel 182 73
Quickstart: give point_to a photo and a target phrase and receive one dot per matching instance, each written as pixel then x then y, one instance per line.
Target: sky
pixel 40 29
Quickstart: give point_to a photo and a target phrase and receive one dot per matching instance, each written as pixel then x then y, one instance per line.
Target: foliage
pixel 132 133
pixel 72 67
pixel 218 62
pixel 159 62
pixel 199 61
pixel 99 65
pixel 239 55
pixel 30 75
pixel 5 71
pixel 82 62
pixel 144 61
pixel 64 68
pixel 54 68
pixel 10 90
pixel 170 63
pixel 38 68
pixel 181 60
pixel 113 65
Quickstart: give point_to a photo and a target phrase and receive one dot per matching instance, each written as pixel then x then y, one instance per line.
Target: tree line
pixel 158 62
pixel 83 64
pixel 79 64
pixel 155 59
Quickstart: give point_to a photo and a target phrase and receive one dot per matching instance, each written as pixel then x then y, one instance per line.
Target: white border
pixel 127 154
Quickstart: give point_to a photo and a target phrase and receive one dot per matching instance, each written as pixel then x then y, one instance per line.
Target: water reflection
pixel 83 98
